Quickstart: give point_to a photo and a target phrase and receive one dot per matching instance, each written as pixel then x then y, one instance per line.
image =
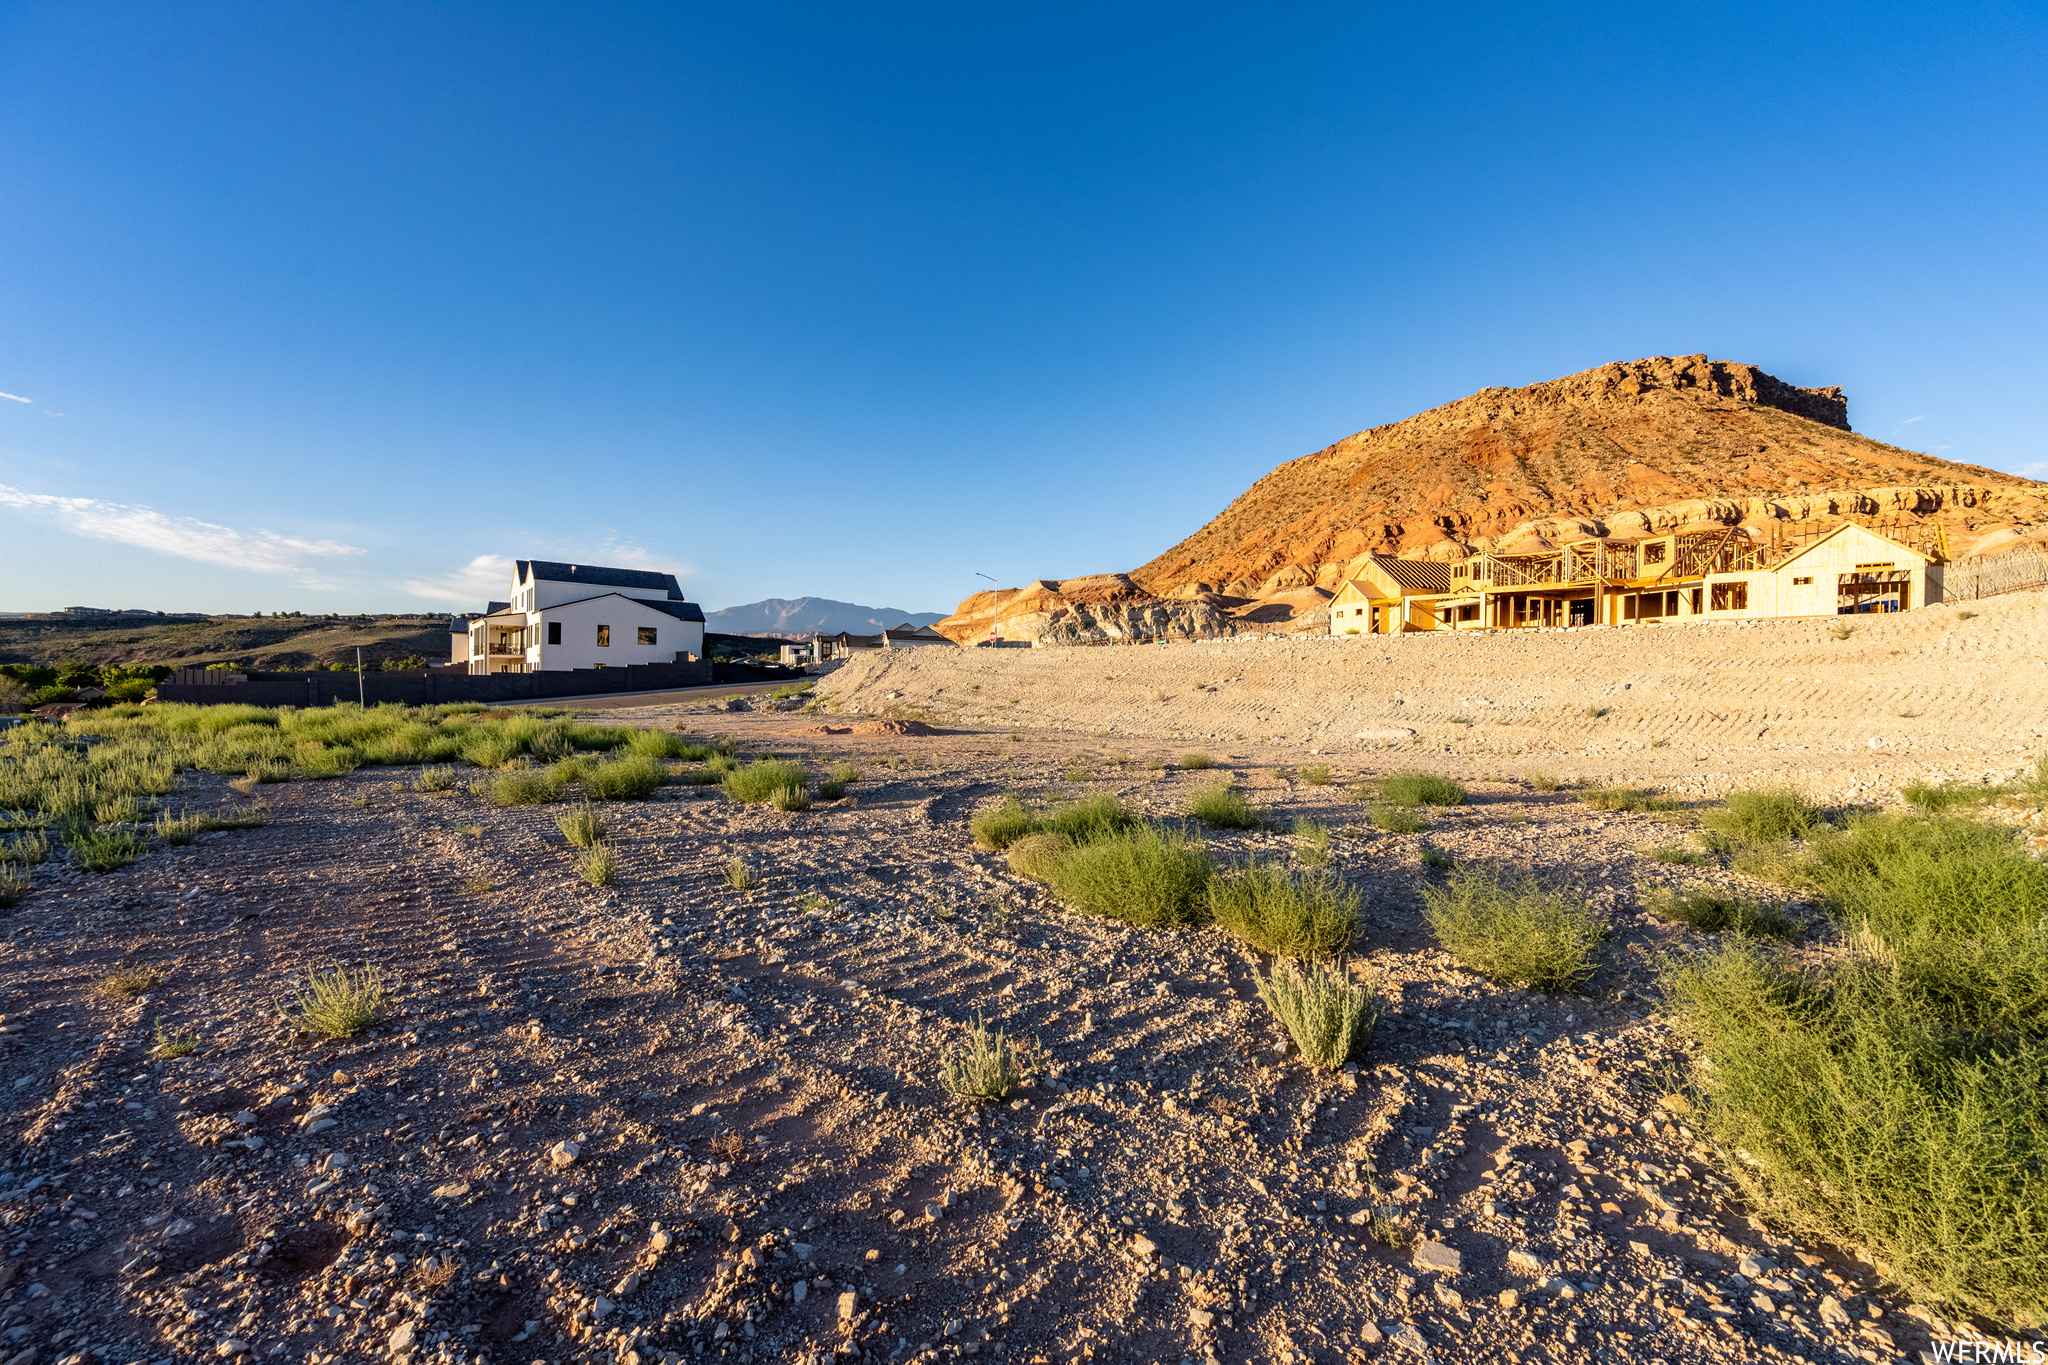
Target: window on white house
pixel 554 632
pixel 1801 582
pixel 647 635
pixel 604 637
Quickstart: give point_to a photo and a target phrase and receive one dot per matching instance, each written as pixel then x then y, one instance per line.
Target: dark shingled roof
pixel 1416 575
pixel 682 611
pixel 597 576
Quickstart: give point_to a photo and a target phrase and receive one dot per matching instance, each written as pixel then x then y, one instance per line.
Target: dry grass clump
pixel 26 849
pixel 990 1065
pixel 1633 799
pixel 14 885
pixel 129 979
pixel 631 778
pixel 1717 912
pixel 434 781
pixel 340 1003
pixel 740 875
pixel 1543 782
pixel 236 817
pixel 763 778
pixel 1036 855
pixel 1145 876
pixel 599 866
pixel 1330 1018
pixel 1421 789
pixel 1515 930
pixel 1291 914
pixel 1675 855
pixel 176 831
pixel 791 798
pixel 1315 774
pixel 846 771
pixel 581 825
pixel 522 787
pixel 1195 762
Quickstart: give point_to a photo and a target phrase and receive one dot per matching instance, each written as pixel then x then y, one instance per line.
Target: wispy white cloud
pixel 186 537
pixel 1910 420
pixel 483 579
pixel 16 398
pixel 624 554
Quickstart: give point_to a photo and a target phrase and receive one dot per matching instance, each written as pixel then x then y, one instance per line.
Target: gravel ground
pixel 670 1121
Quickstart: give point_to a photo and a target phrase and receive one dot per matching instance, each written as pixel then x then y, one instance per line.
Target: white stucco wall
pixel 579 647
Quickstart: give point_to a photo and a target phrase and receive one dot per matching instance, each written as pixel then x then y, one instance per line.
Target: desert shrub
pixel 630 778
pixel 434 780
pixel 119 810
pixel 1096 817
pixel 1632 799
pixel 1544 782
pixel 739 874
pixel 1437 858
pixel 1364 793
pixel 1398 820
pixel 598 866
pixel 1514 930
pixel 1292 914
pixel 1671 853
pixel 269 770
pixel 722 763
pixel 26 849
pixel 1315 774
pixel 323 764
pixel 14 885
pixel 1196 761
pixel 829 790
pixel 339 1003
pixel 522 787
pixel 13 696
pixel 1955 903
pixel 658 744
pixel 695 777
pixel 581 825
pixel 1720 912
pixel 235 817
pixel 1311 842
pixel 761 779
pixel 1222 805
pixel 1763 815
pixel 1868 1120
pixel 1421 789
pixel 791 798
pixel 990 1065
pixel 1036 855
pixel 847 771
pixel 106 850
pixel 997 827
pixel 178 830
pixel 1146 876
pixel 166 1044
pixel 1330 1018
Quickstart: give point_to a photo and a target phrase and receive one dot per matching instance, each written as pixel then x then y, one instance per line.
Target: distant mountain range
pixel 811 616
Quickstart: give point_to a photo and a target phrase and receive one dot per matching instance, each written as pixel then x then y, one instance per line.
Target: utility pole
pixel 359 679
pixel 995 619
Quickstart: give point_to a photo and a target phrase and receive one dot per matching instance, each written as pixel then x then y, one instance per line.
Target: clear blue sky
pixel 321 307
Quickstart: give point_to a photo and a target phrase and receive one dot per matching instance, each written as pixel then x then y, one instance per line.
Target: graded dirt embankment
pixel 1934 694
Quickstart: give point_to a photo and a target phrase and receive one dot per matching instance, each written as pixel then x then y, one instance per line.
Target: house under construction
pixel 1720 574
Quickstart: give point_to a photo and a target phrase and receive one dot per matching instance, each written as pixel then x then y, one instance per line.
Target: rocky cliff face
pixel 1096 609
pixel 1645 445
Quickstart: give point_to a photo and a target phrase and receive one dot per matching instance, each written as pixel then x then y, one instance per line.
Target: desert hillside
pixel 1626 448
pixel 270 642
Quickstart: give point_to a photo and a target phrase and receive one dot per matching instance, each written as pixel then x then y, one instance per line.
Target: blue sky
pixel 335 307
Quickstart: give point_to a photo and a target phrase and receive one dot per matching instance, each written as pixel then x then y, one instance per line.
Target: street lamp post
pixel 995 618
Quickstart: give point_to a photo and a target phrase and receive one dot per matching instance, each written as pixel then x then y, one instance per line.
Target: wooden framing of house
pixel 1717 574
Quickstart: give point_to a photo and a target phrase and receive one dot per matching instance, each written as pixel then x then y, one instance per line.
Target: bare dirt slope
pixel 765 1166
pixel 1629 447
pixel 1940 691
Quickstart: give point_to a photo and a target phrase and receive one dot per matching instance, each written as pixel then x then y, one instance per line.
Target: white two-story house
pixel 563 616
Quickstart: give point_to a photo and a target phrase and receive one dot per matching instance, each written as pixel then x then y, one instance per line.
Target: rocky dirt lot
pixel 667 1120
